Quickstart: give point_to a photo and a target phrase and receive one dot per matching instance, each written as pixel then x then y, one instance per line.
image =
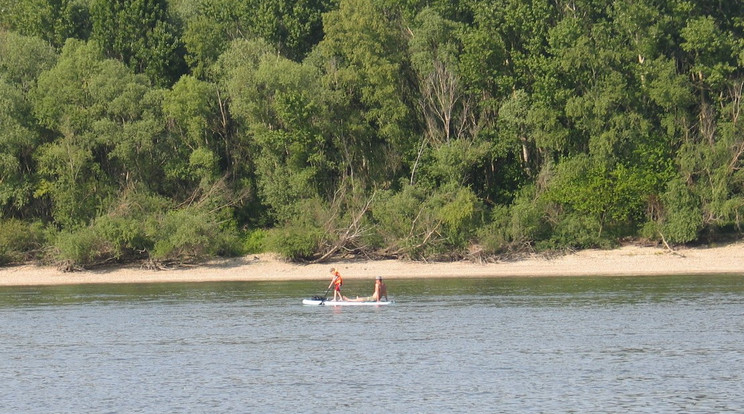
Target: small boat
pixel 324 302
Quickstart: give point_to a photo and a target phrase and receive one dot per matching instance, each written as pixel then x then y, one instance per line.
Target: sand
pixel 624 261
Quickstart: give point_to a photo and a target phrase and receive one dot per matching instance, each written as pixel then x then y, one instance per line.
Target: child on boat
pixel 336 282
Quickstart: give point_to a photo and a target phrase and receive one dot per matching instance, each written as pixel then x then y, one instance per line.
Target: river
pixel 516 345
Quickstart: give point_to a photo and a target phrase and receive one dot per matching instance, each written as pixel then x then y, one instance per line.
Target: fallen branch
pixel 669 248
pixel 353 232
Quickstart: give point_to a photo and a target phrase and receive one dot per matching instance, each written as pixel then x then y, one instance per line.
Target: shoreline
pixel 623 261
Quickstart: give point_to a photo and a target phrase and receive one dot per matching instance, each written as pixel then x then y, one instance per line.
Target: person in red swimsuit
pixel 336 282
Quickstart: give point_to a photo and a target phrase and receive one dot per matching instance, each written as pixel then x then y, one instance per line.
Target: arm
pixel 333 281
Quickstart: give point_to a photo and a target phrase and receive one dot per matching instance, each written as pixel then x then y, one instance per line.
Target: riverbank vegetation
pixel 187 129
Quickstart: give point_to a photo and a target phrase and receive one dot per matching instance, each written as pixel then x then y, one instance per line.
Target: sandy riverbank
pixel 628 260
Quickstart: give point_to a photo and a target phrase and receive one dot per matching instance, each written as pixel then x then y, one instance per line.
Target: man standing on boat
pixel 336 282
pixel 380 292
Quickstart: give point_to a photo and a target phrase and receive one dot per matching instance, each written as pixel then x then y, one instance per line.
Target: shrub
pixel 529 217
pixel 19 240
pixel 126 235
pixel 460 212
pixel 416 223
pixel 683 218
pixel 254 241
pixel 80 248
pixel 190 233
pixel 495 236
pixel 575 231
pixel 297 240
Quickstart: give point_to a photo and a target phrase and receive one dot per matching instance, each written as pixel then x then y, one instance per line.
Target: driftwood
pixel 669 248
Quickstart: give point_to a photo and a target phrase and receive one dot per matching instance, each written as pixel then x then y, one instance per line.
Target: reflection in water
pixel 645 344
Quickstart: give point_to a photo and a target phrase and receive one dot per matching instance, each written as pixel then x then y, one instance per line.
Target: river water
pixel 555 345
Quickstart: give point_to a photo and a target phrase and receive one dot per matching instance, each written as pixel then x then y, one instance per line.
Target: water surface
pixel 609 344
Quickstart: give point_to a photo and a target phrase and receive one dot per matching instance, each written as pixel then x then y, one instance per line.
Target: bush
pixel 529 217
pixel 461 213
pixel 190 234
pixel 297 240
pixel 126 235
pixel 405 223
pixel 575 231
pixel 254 241
pixel 416 223
pixel 612 196
pixel 495 236
pixel 19 241
pixel 81 248
pixel 395 213
pixel 683 217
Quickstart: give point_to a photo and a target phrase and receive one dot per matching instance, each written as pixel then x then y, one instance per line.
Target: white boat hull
pixel 317 302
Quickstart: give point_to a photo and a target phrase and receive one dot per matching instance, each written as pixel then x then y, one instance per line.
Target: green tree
pixel 100 115
pixel 364 63
pixel 710 157
pixel 292 27
pixel 209 29
pixel 443 103
pixel 191 109
pixel 52 20
pixel 140 34
pixel 17 142
pixel 596 199
pixel 22 59
pixel 277 100
pixel 682 218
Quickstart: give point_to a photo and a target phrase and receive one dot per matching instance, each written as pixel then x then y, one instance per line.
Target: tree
pixel 595 199
pixel 52 20
pixel 278 102
pixel 434 56
pixel 682 219
pixel 22 59
pixel 364 62
pixel 96 110
pixel 190 105
pixel 140 34
pixel 17 142
pixel 292 27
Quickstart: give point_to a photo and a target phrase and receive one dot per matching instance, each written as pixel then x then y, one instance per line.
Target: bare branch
pixel 352 233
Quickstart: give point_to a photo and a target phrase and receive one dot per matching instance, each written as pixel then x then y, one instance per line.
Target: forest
pixel 181 130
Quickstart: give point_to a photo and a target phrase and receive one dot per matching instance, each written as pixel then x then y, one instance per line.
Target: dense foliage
pixel 168 130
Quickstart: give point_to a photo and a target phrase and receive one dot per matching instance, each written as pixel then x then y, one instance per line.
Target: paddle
pixel 323 298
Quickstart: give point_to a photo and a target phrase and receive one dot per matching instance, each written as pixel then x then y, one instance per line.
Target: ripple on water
pixel 490 345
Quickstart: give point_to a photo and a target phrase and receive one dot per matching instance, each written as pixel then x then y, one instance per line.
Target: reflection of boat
pixel 323 302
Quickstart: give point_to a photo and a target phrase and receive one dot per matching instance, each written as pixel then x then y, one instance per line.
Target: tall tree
pixel 364 63
pixel 292 27
pixel 22 60
pixel 140 34
pixel 279 103
pixel 104 134
pixel 52 20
